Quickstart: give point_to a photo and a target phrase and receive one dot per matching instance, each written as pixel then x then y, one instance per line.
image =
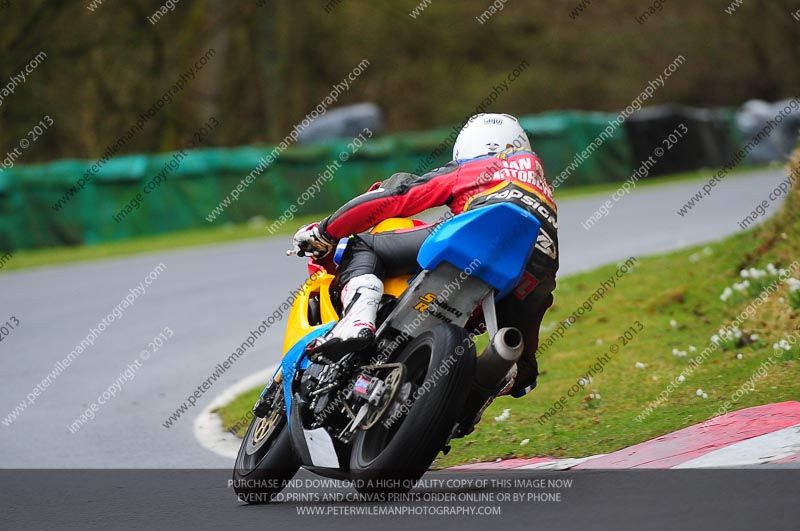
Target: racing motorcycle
pixel 380 416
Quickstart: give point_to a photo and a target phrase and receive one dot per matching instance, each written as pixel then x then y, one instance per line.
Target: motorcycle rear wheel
pixel 392 455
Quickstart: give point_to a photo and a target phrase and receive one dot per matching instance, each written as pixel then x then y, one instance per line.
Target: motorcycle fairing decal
pixel 461 295
pixel 434 305
pixel 295 359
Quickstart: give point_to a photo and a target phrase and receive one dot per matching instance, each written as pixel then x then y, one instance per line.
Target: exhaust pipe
pixel 491 369
pixel 496 360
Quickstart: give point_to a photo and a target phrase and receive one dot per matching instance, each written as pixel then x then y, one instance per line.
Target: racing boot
pixel 356 329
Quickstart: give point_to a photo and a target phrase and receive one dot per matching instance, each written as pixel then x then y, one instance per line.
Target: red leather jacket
pixel 455 185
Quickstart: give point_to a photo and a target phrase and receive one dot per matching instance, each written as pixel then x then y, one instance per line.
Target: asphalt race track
pixel 210 298
pixel 733 500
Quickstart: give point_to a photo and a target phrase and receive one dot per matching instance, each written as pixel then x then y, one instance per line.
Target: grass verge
pixel 671 307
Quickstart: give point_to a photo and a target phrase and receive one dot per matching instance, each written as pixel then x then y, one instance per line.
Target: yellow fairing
pixel 397 285
pixel 393 224
pixel 297 324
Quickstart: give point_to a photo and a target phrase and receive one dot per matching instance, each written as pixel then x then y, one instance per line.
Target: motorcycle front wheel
pixel 265 462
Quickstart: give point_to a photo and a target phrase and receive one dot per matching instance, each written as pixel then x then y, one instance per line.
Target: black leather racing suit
pixel 462 186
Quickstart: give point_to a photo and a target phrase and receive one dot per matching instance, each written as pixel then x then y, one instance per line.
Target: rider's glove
pixel 312 241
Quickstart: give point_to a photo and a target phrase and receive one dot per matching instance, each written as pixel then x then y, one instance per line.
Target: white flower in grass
pixel 673 323
pixel 523 442
pixel 640 365
pixel 741 287
pixel 727 335
pixel 692 348
pixel 782 272
pixel 707 251
pixel 704 395
pixel 503 416
pixel 754 337
pixel 744 273
pixel 699 392
pixel 739 356
pixel 726 294
pixel 694 257
pixel 784 345
pixel 771 269
pixel 793 284
pixel 681 378
pixel 598 342
pixel 594 396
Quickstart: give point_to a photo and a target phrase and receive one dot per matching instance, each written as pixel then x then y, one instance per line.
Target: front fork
pixel 267 401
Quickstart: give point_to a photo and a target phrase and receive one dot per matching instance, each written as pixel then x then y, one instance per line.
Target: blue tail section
pixel 493 243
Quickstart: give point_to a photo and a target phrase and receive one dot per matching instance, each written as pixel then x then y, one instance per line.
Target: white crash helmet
pixel 489 134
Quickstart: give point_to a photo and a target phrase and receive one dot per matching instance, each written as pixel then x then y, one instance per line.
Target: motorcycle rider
pixel 492 162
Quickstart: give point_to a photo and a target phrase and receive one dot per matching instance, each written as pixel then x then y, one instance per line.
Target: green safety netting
pixel 557 138
pixel 205 177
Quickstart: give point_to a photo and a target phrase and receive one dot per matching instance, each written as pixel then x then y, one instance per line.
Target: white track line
pixel 558 464
pixel 208 426
pixel 758 450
